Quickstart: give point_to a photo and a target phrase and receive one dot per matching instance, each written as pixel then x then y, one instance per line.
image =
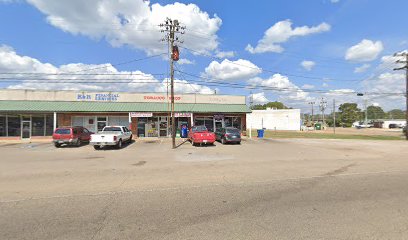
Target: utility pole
pixel 312 103
pixel 366 111
pixel 172 27
pixel 334 116
pixel 323 105
pixel 405 67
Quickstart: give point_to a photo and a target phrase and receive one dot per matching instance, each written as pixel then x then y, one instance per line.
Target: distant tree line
pixel 348 113
pixel 273 105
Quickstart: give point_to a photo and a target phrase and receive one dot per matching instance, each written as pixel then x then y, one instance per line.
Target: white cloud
pixel 389 62
pixel 259 98
pixel 281 32
pixel 227 54
pixel 232 70
pixel 47 76
pixel 308 86
pixel 364 51
pixel 130 22
pixel 282 86
pixel 183 86
pixel 185 61
pixel 362 68
pixel 325 85
pixel 308 65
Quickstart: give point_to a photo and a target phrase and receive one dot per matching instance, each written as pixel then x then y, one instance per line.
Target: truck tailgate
pixel 102 138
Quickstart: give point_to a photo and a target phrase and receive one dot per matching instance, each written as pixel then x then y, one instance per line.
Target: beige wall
pixel 38 95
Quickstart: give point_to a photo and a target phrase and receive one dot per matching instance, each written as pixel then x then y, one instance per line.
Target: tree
pixel 275 105
pixel 349 113
pixel 375 112
pixel 396 114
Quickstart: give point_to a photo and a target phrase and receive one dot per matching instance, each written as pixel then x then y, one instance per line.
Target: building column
pixel 55 120
pixel 192 120
pixel 130 122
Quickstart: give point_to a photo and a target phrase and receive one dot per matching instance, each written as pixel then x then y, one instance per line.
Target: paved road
pixel 305 195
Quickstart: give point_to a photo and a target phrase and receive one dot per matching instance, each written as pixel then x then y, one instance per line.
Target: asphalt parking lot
pixel 261 189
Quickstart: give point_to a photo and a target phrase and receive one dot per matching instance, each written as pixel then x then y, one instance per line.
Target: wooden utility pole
pixel 405 67
pixel 312 103
pixel 172 27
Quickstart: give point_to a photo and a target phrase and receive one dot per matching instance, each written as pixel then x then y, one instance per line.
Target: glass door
pixel 163 126
pixel 26 129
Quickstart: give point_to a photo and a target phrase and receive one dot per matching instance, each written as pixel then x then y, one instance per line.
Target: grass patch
pixel 277 134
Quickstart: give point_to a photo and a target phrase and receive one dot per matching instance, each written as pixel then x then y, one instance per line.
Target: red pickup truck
pixel 201 135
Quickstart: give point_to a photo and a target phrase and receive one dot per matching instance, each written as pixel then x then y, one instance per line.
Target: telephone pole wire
pixel 172 27
pixel 405 67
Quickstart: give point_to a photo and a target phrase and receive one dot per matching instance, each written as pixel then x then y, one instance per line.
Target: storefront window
pixel 3 126
pixel 37 125
pixel 236 122
pixel 232 122
pixel 14 126
pixel 49 125
pixel 208 122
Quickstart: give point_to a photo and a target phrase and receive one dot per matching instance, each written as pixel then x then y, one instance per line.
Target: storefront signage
pixel 177 114
pixel 103 97
pixel 141 114
pixel 160 98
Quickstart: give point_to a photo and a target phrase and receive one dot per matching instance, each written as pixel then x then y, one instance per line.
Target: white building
pixel 273 119
pixel 398 123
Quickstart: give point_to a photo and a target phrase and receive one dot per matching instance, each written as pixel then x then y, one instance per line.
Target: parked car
pixel 111 136
pixel 404 129
pixel 360 125
pixel 200 135
pixel 228 135
pixel 71 136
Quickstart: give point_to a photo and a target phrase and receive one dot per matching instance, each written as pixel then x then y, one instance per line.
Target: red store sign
pixel 161 98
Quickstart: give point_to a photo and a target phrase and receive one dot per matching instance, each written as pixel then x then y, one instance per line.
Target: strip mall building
pixel 26 114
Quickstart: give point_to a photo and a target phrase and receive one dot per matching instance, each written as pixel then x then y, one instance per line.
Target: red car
pixel 201 135
pixel 71 136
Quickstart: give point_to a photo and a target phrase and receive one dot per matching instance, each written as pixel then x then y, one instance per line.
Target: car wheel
pixel 223 141
pixel 239 143
pixel 57 145
pixel 96 147
pixel 78 143
pixel 119 145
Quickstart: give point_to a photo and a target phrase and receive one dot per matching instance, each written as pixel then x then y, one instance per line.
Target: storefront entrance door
pixel 26 129
pixel 217 125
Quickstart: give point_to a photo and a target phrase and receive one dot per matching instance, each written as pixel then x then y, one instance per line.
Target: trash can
pixel 184 131
pixel 260 133
pixel 318 126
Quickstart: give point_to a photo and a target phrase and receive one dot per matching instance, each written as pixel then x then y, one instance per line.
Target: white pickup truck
pixel 111 136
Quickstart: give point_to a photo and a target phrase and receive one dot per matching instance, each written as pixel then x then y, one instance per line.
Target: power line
pixel 276 72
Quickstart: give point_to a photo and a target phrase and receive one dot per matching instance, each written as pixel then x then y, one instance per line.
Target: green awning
pixel 62 106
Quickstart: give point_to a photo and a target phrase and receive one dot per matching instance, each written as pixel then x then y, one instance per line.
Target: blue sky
pixel 345 47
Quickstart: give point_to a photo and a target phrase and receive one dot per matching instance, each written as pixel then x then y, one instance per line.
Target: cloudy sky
pixel 283 50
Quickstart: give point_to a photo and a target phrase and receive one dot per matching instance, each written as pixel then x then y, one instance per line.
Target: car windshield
pixel 199 129
pixel 63 131
pixel 232 130
pixel 112 129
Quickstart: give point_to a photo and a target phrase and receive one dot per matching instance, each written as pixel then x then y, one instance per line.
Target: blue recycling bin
pixel 184 132
pixel 261 133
